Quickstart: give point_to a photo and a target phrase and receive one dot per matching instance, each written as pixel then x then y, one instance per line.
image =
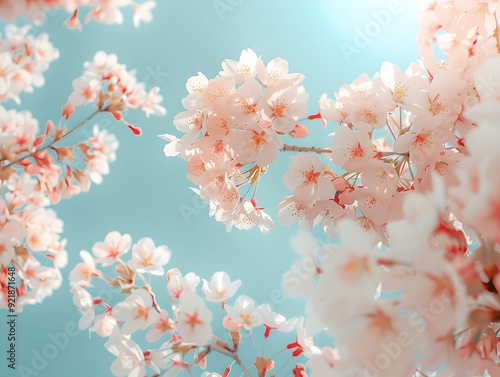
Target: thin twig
pixel 295 148
pixel 232 355
pixel 55 141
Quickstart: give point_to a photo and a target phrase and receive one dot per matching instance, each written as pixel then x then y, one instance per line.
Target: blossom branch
pixel 233 355
pixel 295 148
pixel 56 140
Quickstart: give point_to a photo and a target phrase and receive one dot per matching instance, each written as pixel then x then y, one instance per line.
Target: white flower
pixel 151 104
pixel 177 284
pixel 276 69
pixel 142 12
pixel 107 11
pixel 303 344
pixel 8 70
pixel 249 216
pixel 83 300
pixel 85 271
pixel 244 313
pixel 8 241
pixel 104 324
pixel 220 287
pixel 42 280
pixel 147 258
pixel 101 63
pixel 275 321
pixel 306 177
pixel 160 327
pixel 284 104
pixel 130 358
pixel 103 144
pixel 85 90
pixel 114 246
pixel 242 69
pixel 194 319
pixel 172 147
pixel 136 311
pixel 322 364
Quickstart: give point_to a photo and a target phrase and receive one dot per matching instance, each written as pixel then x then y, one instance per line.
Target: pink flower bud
pixel 73 22
pixel 68 110
pixel 300 131
pixel 339 183
pixel 136 130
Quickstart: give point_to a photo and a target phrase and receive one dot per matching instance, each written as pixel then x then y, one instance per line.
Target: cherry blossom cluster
pixel 30 230
pixel 181 338
pixel 428 302
pixel 23 60
pixel 426 305
pixel 455 22
pixel 410 188
pixel 476 197
pixel 233 125
pixel 38 170
pixel 397 129
pixel 111 88
pixel 106 11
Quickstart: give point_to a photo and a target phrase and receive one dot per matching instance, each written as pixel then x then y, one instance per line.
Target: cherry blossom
pixel 83 273
pixel 232 128
pixel 244 68
pixel 406 193
pixel 113 247
pixel 178 284
pixel 24 58
pixel 244 313
pixel 105 11
pixel 220 288
pixel 104 324
pixel 110 87
pixel 303 344
pixel 478 182
pixel 249 216
pixel 398 189
pixel 142 12
pixel 283 106
pixel 130 358
pixel 186 328
pixel 306 177
pixel 136 312
pixel 38 169
pixel 194 319
pixel 147 258
pixel 255 145
pixel 324 363
pixel 162 325
pixel 83 300
pixel 355 149
pixel 275 321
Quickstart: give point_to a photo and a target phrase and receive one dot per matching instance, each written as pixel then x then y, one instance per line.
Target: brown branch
pixel 295 148
pixel 232 355
pixel 55 141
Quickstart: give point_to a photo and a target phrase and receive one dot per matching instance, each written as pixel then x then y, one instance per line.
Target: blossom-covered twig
pixel 106 11
pixel 409 186
pixel 23 60
pixel 185 330
pixel 33 174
